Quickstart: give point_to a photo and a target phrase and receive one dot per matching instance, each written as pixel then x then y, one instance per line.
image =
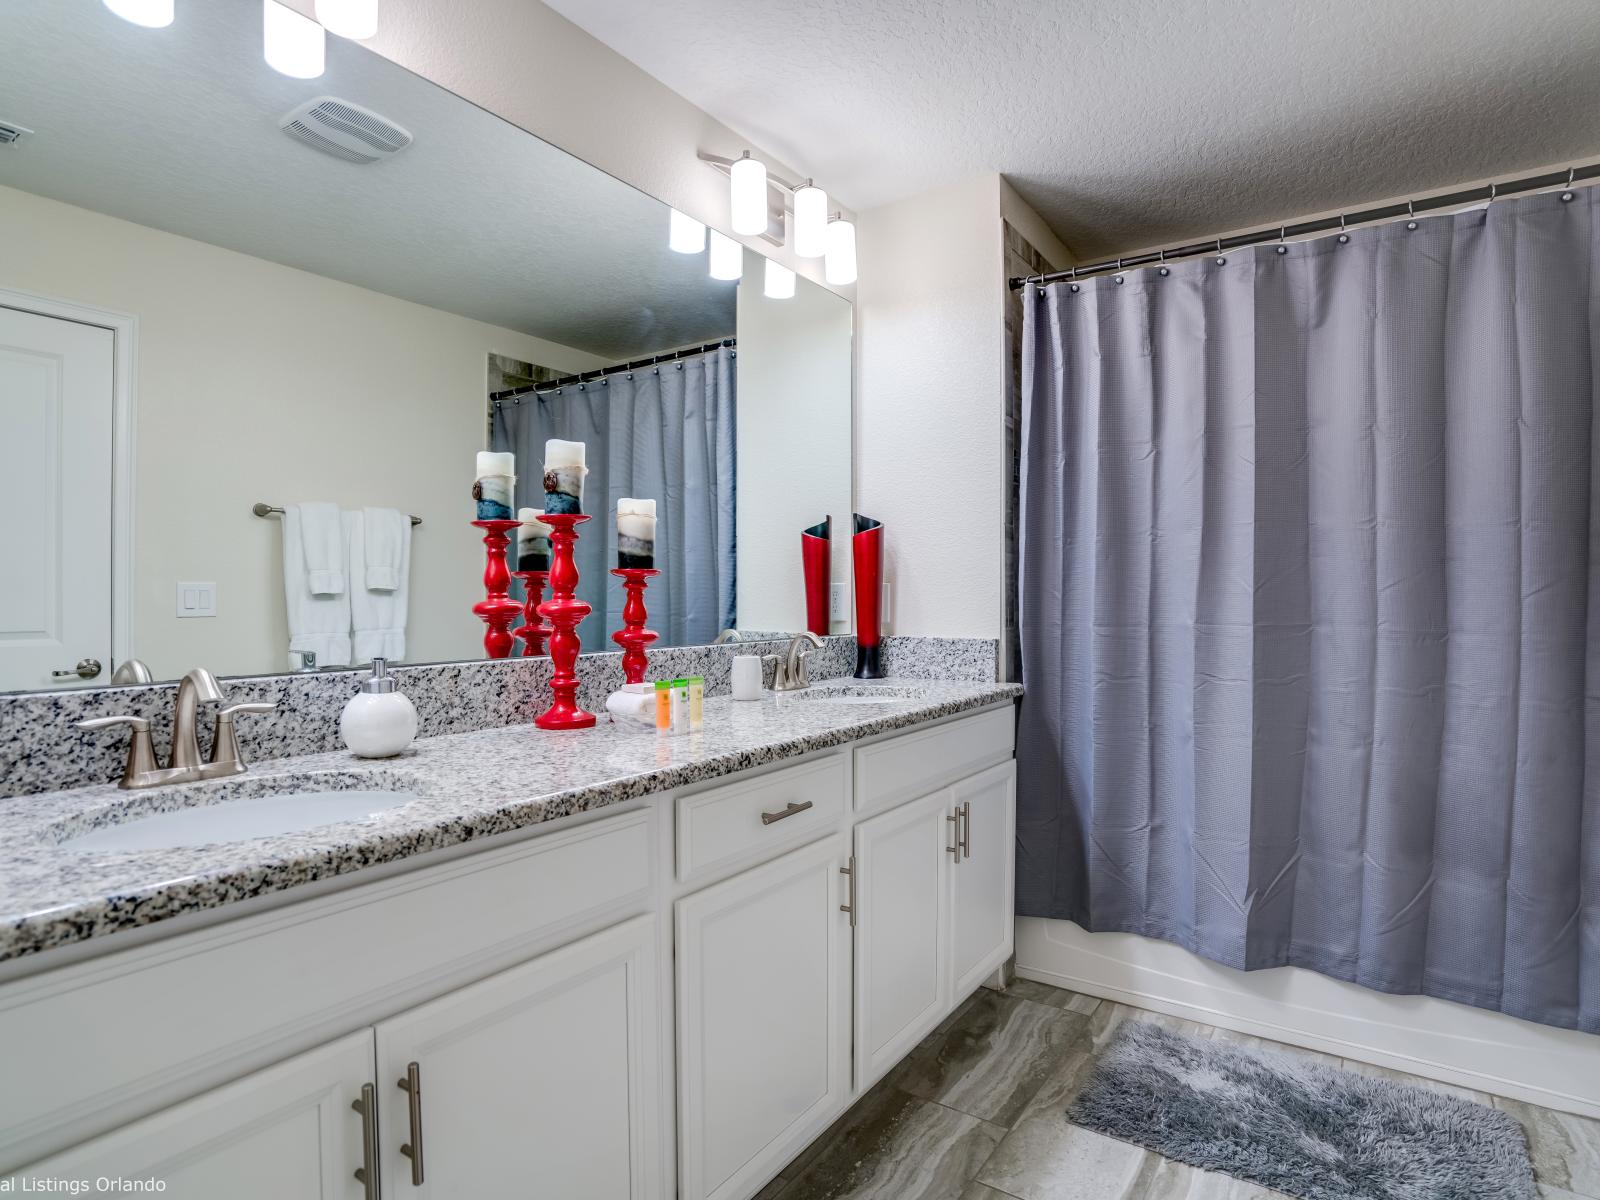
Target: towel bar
pixel 272 510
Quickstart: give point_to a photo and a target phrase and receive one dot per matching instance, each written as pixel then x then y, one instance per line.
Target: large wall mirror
pixel 204 316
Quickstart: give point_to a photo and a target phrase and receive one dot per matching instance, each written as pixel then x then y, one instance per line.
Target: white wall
pixel 794 368
pixel 260 382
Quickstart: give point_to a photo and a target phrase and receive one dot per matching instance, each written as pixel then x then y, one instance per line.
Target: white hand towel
pixel 388 541
pixel 318 623
pixel 321 535
pixel 378 617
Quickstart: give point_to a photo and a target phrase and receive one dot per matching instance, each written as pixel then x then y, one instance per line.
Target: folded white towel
pixel 378 615
pixel 317 623
pixel 322 539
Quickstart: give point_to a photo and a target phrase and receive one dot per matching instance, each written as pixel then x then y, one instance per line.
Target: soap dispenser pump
pixel 378 721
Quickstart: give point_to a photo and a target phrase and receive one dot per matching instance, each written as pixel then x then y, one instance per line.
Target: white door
pixel 902 981
pixel 55 494
pixel 537 1082
pixel 763 1019
pixel 982 878
pixel 289 1130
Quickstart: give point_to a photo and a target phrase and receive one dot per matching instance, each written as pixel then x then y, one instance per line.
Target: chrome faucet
pixel 198 687
pixel 791 674
pixel 726 636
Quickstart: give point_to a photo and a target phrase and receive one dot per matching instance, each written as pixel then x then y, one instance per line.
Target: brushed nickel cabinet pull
pixel 955 849
pixel 966 829
pixel 850 873
pixel 367 1172
pixel 789 810
pixel 411 1085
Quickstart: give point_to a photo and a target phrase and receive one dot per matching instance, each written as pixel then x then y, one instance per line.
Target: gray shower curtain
pixel 663 433
pixel 1310 628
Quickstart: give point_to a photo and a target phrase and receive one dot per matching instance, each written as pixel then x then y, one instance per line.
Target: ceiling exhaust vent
pixel 12 133
pixel 345 130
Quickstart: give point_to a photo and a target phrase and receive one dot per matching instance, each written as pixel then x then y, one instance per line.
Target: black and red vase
pixel 866 552
pixel 816 546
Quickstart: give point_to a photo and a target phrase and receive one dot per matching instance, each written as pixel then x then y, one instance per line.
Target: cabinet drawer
pixel 724 825
pixel 909 765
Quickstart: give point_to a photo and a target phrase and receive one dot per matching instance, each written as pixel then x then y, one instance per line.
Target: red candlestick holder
pixel 532 631
pixel 563 610
pixel 633 637
pixel 497 609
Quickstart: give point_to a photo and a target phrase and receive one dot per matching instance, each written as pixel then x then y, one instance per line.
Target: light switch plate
pixel 836 602
pixel 197 599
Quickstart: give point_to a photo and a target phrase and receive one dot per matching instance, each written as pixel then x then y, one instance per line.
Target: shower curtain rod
pixel 551 385
pixel 1383 212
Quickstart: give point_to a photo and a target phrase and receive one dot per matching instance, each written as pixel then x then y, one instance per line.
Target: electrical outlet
pixel 836 602
pixel 197 599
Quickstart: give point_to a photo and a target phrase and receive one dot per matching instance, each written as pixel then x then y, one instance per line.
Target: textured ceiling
pixel 1128 123
pixel 176 128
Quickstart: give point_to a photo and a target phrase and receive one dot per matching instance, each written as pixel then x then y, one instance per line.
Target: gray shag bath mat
pixel 1297 1126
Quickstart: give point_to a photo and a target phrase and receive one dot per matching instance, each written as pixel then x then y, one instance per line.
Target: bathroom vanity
pixel 596 965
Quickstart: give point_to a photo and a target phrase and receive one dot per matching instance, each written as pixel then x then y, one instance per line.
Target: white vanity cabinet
pixel 983 878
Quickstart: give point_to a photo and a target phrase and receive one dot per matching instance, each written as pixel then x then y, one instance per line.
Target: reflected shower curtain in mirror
pixel 1310 628
pixel 662 433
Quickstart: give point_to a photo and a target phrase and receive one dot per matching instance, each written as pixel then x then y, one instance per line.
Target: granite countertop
pixel 469 786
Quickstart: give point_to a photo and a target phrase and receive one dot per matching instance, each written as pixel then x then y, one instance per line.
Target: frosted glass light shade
pixel 293 45
pixel 152 14
pixel 810 222
pixel 354 19
pixel 686 235
pixel 839 265
pixel 779 282
pixel 727 257
pixel 749 192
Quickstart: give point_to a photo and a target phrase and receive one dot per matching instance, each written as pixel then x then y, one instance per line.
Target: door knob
pixel 87 668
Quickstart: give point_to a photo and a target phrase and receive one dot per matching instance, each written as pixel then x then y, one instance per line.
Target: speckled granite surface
pixel 470 786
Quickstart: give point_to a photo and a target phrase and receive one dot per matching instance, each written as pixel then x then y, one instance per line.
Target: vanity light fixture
pixel 293 45
pixel 727 257
pixel 839 264
pixel 353 19
pixel 152 14
pixel 810 221
pixel 685 234
pixel 749 194
pixel 779 282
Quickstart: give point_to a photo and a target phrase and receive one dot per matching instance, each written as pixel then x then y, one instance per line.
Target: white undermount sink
pixel 238 820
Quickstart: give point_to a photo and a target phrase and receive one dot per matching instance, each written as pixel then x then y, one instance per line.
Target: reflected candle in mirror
pixel 636 533
pixel 496 476
pixel 563 476
pixel 533 541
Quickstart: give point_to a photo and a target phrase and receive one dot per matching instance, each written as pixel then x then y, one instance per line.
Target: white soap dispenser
pixel 378 722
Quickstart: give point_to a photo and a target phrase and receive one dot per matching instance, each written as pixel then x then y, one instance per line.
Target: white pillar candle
pixel 636 533
pixel 496 475
pixel 563 476
pixel 491 463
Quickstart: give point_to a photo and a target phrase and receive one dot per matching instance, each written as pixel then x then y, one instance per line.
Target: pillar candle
pixel 533 541
pixel 563 476
pixel 496 476
pixel 636 533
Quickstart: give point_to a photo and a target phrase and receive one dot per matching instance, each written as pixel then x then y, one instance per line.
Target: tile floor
pixel 977 1112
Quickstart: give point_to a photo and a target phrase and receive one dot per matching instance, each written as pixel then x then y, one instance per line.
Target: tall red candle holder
pixel 533 631
pixel 497 609
pixel 563 610
pixel 633 637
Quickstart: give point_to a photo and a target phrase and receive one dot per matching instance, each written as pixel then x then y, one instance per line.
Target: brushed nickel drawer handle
pixel 850 873
pixel 789 810
pixel 367 1172
pixel 955 819
pixel 411 1085
pixel 966 829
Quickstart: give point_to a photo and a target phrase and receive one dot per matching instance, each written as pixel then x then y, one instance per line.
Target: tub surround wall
pixel 40 751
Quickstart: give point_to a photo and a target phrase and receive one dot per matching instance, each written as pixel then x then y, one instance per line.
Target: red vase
pixel 866 552
pixel 815 546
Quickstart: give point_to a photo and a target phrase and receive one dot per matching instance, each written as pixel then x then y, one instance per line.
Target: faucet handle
pixel 141 768
pixel 225 756
pixel 140 724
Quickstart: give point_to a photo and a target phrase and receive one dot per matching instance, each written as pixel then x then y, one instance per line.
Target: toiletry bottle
pixel 680 706
pixel 378 722
pixel 697 703
pixel 664 706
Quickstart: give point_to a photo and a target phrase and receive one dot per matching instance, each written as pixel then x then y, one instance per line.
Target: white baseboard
pixel 1436 1039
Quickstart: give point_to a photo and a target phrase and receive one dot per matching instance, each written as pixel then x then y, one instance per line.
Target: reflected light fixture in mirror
pixel 779 282
pixel 727 257
pixel 839 266
pixel 685 234
pixel 293 45
pixel 353 19
pixel 152 14
pixel 810 221
pixel 748 188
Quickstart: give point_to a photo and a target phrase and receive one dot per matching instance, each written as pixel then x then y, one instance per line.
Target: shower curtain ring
pixel 1494 190
pixel 1283 232
pixel 1074 279
pixel 1344 230
pixel 1571 174
pixel 1220 259
pixel 1164 270
pixel 1411 209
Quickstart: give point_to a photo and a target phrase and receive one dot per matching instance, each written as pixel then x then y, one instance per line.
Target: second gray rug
pixel 1298 1127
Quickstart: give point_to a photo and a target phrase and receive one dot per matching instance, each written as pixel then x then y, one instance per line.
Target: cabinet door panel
pixel 982 881
pixel 902 983
pixel 286 1131
pixel 763 1019
pixel 539 1081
